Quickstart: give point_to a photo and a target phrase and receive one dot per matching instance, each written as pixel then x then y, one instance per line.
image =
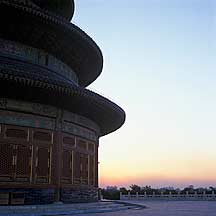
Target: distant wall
pixel 170 197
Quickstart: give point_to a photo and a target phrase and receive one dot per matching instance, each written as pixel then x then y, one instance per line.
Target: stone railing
pixel 172 197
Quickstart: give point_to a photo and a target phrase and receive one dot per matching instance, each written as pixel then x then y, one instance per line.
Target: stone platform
pixel 67 209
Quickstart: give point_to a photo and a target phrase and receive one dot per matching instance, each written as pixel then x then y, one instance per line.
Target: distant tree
pixel 123 190
pixel 111 193
pixel 200 190
pixel 147 189
pixel 135 188
pixel 189 189
pixel 212 188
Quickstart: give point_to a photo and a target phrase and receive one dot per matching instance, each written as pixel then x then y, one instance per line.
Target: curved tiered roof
pixel 38 28
pixel 64 8
pixel 45 25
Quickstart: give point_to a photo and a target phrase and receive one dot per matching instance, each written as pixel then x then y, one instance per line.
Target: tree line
pixel 113 192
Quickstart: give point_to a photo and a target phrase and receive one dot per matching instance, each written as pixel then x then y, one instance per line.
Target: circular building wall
pixel 47 154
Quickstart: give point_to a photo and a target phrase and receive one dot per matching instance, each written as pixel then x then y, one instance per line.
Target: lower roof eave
pixel 106 114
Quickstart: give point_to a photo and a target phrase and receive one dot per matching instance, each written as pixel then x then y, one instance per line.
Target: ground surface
pixel 170 208
pixel 109 208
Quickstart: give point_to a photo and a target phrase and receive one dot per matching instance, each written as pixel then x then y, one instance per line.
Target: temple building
pixel 50 124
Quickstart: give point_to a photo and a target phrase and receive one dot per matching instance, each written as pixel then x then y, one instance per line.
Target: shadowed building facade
pixel 50 124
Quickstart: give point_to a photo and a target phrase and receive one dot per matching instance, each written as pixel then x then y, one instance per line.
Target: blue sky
pixel 159 65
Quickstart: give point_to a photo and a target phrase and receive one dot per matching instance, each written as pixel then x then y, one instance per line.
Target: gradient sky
pixel 159 65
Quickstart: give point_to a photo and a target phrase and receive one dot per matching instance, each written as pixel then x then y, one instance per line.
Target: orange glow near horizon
pixel 123 167
pixel 157 181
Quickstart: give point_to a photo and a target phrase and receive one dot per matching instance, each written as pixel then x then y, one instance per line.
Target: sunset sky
pixel 159 66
